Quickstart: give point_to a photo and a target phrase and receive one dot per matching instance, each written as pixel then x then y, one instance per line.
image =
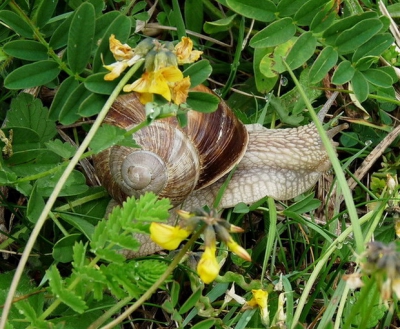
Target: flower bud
pixel 167 236
pixel 208 267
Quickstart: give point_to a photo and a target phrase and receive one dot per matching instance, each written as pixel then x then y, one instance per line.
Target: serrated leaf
pixel 110 255
pixel 353 38
pixel 105 137
pixel 219 25
pixel 263 11
pixel 306 13
pixel 302 50
pixel 80 37
pixel 198 72
pixel 75 184
pixel 27 111
pixel 26 49
pixel 64 150
pixel 274 34
pixel 64 295
pixel 324 62
pixel 16 23
pixel 32 75
pixel 373 47
pixel 343 73
pixel 62 250
pixel 35 205
pixel 360 86
pixel 202 102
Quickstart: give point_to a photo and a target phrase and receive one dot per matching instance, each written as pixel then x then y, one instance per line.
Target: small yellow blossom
pixel 260 299
pixel 208 267
pixel 167 236
pixel 353 280
pixel 185 53
pixel 180 90
pixel 238 250
pixel 119 50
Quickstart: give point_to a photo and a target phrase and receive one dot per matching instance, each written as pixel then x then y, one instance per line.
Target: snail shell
pixel 172 161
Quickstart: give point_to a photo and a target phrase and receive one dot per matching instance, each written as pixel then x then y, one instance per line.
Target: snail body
pixel 188 165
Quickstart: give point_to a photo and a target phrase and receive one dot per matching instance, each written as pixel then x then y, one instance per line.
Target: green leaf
pixel 272 66
pixel 220 25
pixel 360 86
pixel 353 38
pixel 64 150
pixel 110 255
pixel 302 50
pixel 27 111
pixel 59 37
pixel 44 12
pixel 26 49
pixel 16 23
pixel 35 205
pixel 92 105
pixel 69 111
pixel 373 47
pixel 308 11
pixel 343 73
pixel 274 34
pixel 202 102
pixel 378 78
pixel 331 34
pixel 365 62
pixel 194 15
pixel 62 250
pixel 121 28
pixel 61 293
pixel 263 11
pixel 264 84
pixel 75 184
pixel 96 84
pixel 64 91
pixel 198 72
pixel 323 19
pixel 80 37
pixel 324 62
pixel 106 136
pixel 304 206
pixel 288 7
pixel 32 75
pixel 191 301
pixel 80 224
pixel 205 324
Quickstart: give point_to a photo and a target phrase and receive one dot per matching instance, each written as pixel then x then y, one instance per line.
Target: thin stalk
pixel 358 237
pixel 53 197
pixel 320 264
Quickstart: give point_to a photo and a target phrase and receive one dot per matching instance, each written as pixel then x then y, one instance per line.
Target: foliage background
pixel 51 64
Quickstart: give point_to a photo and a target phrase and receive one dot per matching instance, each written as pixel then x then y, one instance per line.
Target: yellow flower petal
pixel 167 236
pixel 116 69
pixel 238 250
pixel 119 50
pixel 208 267
pixel 184 52
pixel 180 91
pixel 159 85
pixel 141 85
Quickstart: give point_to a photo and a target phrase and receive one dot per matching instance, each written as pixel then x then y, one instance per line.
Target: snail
pixel 189 165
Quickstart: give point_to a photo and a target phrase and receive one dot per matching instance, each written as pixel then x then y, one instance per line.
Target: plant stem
pixel 53 197
pixel 151 290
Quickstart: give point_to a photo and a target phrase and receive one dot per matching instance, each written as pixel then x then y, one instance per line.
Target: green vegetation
pixel 329 258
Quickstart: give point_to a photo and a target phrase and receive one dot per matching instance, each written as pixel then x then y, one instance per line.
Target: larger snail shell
pixel 172 161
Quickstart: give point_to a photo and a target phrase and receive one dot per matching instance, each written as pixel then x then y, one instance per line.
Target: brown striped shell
pixel 172 161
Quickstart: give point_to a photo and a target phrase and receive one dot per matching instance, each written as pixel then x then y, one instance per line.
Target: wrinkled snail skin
pixel 280 163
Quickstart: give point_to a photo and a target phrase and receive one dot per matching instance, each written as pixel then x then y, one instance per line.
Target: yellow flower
pixel 180 91
pixel 167 236
pixel 260 299
pixel 238 249
pixel 208 267
pixel 156 82
pixel 124 55
pixel 185 53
